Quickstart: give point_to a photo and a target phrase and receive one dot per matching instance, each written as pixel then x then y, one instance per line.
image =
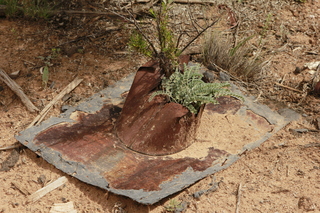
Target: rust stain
pixel 81 140
pixel 259 121
pixel 147 173
pixel 91 141
pixel 226 105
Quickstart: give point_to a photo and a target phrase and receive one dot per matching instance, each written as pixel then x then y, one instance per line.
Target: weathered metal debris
pixel 90 141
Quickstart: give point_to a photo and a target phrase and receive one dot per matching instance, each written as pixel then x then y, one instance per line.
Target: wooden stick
pixel 66 90
pixel 63 207
pixel 10 147
pixel 18 91
pixel 48 188
pixel 238 198
pixel 290 88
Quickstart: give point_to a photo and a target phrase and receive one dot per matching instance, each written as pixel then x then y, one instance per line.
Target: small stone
pixel 64 108
pixel 42 179
pixel 209 76
pixel 224 76
pixel 306 204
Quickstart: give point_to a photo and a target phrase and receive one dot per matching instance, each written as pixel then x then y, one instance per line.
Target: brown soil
pixel 279 176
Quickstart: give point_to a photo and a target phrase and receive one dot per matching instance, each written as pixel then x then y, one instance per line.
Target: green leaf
pixel 45 76
pixel 189 90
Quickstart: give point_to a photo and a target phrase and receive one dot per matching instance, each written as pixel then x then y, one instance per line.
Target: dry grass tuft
pixel 219 51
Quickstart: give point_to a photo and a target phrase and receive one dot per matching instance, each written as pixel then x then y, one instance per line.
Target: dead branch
pixel 17 145
pixel 238 198
pixel 18 91
pixel 199 34
pixel 287 87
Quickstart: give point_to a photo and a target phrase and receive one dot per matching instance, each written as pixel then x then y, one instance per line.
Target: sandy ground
pixel 280 176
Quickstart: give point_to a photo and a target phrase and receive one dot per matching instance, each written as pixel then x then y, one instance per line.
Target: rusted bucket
pixel 153 127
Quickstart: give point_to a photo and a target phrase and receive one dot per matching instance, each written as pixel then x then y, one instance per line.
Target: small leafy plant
pixel 55 52
pixel 173 205
pixel 189 90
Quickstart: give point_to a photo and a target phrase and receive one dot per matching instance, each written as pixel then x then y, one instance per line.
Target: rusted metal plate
pixel 82 142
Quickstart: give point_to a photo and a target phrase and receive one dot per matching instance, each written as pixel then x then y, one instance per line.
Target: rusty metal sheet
pixel 82 143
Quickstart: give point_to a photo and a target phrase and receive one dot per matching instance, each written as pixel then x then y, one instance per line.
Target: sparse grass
pixel 12 7
pixel 219 51
pixel 34 9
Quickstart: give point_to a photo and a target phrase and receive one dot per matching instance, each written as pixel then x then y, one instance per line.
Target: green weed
pixel 55 52
pixel 189 90
pixel 173 205
pixel 45 76
pixel 28 8
pixel 165 42
pixel 36 8
pixel 266 27
pixel 11 7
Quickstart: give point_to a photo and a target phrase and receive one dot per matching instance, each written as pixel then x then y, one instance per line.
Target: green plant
pixel 47 61
pixel 161 43
pixel 239 45
pixel 167 53
pixel 138 43
pixel 265 27
pixel 173 205
pixel 36 8
pixel 45 76
pixel 189 90
pixel 11 7
pixel 55 52
pixel 29 8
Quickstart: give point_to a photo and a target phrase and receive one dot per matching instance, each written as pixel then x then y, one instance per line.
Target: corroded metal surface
pixel 83 143
pixel 153 127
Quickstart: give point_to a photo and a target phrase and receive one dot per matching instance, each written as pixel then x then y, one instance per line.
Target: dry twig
pixel 287 87
pixel 63 207
pixel 18 91
pixel 10 147
pixel 66 90
pixel 238 198
pixel 48 188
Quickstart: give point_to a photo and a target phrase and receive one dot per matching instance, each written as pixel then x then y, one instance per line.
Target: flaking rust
pixel 84 142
